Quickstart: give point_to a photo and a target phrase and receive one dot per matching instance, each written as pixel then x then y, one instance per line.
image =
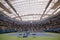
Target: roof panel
pixel 30 9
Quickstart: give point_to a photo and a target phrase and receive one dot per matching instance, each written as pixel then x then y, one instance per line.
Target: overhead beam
pixel 32 15
pixel 46 8
pixel 56 5
pixel 3 7
pixel 55 11
pixel 3 14
pixel 8 2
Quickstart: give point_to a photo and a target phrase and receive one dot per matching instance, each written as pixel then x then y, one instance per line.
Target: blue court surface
pixel 30 36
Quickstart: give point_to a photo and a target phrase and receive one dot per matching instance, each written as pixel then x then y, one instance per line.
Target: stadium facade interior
pixel 29 17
